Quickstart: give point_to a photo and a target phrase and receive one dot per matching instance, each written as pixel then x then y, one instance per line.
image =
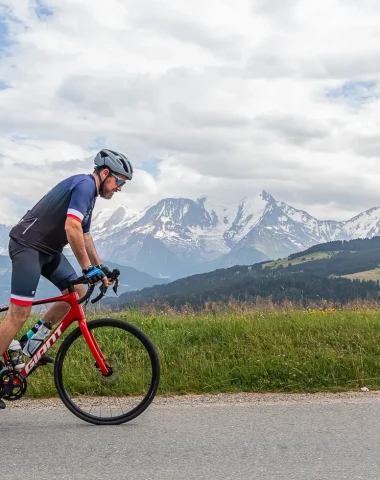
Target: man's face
pixel 110 185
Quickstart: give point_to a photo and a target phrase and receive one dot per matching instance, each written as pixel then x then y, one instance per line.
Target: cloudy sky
pixel 208 97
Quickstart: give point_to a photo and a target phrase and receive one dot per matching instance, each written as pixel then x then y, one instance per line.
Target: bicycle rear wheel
pixel 122 396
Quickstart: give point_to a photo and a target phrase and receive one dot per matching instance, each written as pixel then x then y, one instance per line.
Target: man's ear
pixel 105 173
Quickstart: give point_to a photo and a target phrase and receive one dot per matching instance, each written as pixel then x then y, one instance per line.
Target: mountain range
pixel 178 237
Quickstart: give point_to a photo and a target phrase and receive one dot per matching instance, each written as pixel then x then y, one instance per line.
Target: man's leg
pixel 59 271
pixel 58 310
pixel 12 323
pixel 26 271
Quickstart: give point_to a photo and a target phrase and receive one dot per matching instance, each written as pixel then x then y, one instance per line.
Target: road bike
pixel 106 372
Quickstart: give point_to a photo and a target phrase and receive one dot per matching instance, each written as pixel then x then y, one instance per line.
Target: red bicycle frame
pixel 75 313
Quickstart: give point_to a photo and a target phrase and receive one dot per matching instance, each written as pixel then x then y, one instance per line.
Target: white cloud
pixel 227 98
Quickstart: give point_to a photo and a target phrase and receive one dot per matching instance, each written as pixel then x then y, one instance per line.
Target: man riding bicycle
pixel 61 217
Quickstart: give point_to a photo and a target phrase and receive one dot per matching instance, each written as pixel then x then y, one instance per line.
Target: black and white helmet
pixel 115 161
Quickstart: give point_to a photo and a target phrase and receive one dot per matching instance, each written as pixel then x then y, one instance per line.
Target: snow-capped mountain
pixel 166 238
pixel 179 236
pixel 364 225
pixel 278 229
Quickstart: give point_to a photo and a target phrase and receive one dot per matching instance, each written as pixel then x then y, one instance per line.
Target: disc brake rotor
pixel 114 367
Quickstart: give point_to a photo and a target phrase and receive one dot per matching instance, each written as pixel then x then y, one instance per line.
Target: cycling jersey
pixel 43 227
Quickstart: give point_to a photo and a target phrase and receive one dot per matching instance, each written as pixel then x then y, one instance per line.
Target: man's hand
pixel 94 274
pixel 107 282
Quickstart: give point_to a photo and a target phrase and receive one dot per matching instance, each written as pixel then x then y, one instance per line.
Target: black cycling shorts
pixel 29 264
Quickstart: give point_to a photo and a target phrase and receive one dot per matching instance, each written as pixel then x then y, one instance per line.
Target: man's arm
pixel 91 250
pixel 75 237
pixel 77 243
pixel 93 255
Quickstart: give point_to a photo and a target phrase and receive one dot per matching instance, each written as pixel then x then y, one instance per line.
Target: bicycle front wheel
pixel 115 399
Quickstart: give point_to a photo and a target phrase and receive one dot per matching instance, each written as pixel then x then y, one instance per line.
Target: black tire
pixel 75 394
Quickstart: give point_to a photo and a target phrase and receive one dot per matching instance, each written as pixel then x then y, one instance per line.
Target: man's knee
pixel 18 314
pixel 79 289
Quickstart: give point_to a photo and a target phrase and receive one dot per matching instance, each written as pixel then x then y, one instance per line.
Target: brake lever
pixel 116 286
pixel 103 290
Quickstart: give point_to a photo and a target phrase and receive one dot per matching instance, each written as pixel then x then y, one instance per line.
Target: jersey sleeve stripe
pixel 74 217
pixel 75 214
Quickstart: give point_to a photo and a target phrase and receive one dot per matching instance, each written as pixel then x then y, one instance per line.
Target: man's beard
pixel 107 195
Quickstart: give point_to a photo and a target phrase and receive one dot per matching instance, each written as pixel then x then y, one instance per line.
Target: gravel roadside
pixel 226 399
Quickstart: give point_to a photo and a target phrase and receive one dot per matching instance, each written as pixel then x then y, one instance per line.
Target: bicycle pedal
pixel 45 360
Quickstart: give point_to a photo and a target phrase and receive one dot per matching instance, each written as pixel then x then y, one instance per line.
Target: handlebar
pixel 113 276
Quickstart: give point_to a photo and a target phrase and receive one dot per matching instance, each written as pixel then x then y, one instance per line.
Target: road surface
pixel 248 436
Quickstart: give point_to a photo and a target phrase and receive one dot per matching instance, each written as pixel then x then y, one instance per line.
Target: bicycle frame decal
pixel 44 348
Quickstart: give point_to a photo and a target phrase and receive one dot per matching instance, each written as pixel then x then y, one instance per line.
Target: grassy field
pixel 251 348
pixel 367 275
pixel 301 259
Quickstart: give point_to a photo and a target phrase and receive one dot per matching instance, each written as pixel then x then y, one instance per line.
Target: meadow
pixel 253 347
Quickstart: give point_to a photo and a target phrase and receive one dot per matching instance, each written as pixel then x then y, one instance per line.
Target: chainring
pixel 19 385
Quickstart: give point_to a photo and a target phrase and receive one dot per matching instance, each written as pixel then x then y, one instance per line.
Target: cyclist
pixel 61 217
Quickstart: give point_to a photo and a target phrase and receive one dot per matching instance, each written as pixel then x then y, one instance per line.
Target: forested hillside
pixel 314 274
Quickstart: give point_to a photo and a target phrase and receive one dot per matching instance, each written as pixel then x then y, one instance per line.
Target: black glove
pixel 104 269
pixel 93 274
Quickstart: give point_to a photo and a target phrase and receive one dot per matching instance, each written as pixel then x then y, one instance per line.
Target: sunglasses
pixel 119 181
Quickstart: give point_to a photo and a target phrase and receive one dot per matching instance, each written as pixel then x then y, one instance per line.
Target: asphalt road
pixel 215 438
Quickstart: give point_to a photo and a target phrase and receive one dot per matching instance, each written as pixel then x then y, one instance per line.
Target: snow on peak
pixel 364 225
pixel 211 227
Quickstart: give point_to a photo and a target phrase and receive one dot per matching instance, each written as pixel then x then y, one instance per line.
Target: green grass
pixel 299 260
pixel 366 275
pixel 251 349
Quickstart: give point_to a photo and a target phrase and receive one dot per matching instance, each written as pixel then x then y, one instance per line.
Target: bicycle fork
pixel 100 359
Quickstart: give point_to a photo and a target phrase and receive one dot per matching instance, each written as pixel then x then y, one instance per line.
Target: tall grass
pixel 255 348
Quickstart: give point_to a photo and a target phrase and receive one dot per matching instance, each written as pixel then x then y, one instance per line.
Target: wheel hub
pixel 113 372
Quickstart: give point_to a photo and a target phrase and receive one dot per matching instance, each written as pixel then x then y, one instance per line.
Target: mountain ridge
pixel 177 237
pixel 194 236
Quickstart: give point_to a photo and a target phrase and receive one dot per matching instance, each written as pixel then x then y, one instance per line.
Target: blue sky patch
pixel 3 86
pixel 151 166
pixel 358 92
pixel 4 40
pixel 19 138
pixel 42 11
pixel 98 143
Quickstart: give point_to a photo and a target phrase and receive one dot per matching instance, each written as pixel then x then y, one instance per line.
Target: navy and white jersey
pixel 43 227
